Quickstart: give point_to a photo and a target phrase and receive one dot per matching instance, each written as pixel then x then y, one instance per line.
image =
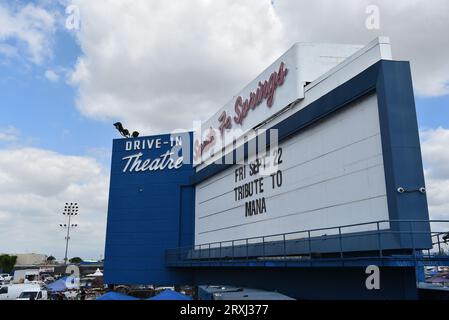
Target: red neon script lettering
pixel 200 148
pixel 225 122
pixel 265 91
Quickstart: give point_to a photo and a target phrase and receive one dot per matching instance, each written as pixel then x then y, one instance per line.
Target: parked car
pixel 5 278
pixel 13 291
pixel 33 294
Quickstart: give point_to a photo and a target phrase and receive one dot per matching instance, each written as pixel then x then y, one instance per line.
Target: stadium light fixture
pixel 69 211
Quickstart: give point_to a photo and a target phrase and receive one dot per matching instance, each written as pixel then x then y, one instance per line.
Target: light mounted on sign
pixel 125 132
pixel 403 190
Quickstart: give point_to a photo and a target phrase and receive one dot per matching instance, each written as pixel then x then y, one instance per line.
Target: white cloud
pixel 435 149
pixel 436 152
pixel 34 185
pixel 29 28
pixel 414 26
pixel 52 76
pixel 147 61
pixel 159 65
pixel 8 134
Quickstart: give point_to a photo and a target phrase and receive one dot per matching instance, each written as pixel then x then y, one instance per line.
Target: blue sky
pixel 158 68
pixel 432 112
pixel 44 112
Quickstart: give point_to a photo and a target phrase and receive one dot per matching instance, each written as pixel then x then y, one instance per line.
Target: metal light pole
pixel 70 209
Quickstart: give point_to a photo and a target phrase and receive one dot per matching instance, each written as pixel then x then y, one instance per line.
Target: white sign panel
pixel 330 174
pixel 280 85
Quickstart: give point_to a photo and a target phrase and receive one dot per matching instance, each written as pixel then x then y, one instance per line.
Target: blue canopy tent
pixel 170 295
pixel 63 284
pixel 111 295
pixel 58 285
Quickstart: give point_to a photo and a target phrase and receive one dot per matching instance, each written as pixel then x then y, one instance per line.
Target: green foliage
pixel 7 262
pixel 51 258
pixel 76 260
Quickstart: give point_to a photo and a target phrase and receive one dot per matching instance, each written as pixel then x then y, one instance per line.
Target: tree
pixel 76 260
pixel 7 262
pixel 51 259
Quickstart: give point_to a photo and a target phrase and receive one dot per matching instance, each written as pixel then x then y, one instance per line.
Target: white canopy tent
pixel 97 273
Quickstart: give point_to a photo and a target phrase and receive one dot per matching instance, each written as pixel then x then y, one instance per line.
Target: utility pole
pixel 70 209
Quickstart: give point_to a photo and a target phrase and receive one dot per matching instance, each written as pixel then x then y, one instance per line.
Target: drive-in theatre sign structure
pixel 312 171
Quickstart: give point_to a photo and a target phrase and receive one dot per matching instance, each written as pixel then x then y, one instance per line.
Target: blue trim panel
pixel 401 146
pixel 187 216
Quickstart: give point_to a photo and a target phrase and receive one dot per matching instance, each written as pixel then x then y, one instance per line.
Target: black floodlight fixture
pixel 118 126
pixel 124 132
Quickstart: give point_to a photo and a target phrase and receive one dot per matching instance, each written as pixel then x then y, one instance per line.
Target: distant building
pixel 29 258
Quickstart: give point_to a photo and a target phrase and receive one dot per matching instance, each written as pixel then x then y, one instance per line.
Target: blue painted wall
pixel 148 213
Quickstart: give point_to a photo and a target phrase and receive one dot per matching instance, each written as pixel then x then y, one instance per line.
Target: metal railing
pixel 410 239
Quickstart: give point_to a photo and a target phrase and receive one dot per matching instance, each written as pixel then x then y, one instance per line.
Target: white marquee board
pixel 332 174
